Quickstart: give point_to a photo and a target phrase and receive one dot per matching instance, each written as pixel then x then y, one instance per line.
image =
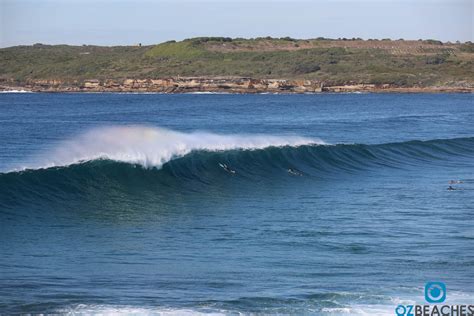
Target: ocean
pixel 326 204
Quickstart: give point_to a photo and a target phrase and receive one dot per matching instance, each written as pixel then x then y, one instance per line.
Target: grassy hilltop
pixel 343 61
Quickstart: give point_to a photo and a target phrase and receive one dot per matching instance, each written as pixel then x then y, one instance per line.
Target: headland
pixel 226 65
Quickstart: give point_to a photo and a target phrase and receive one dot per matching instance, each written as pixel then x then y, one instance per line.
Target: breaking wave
pixel 152 147
pixel 138 159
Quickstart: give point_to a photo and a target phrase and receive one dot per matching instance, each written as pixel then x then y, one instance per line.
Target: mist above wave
pixel 152 146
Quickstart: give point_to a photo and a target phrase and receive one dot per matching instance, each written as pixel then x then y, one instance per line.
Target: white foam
pixel 151 146
pixel 16 91
pixel 110 310
pixel 206 92
pixel 381 310
pixel 386 306
pixel 390 303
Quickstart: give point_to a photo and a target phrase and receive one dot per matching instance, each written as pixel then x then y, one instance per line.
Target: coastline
pixel 228 85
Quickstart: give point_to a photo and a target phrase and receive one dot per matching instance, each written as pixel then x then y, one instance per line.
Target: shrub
pixel 433 42
pixel 437 59
pixel 200 40
pixel 468 47
pixel 306 68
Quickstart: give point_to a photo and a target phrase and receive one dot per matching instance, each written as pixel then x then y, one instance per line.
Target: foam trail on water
pixel 151 146
pixel 112 310
pixel 16 91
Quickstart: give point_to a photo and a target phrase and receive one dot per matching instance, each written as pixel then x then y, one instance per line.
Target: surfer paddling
pixel 451 182
pixel 226 168
pixel 294 172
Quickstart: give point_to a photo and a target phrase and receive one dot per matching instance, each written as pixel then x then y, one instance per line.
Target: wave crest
pixel 151 146
pixel 200 170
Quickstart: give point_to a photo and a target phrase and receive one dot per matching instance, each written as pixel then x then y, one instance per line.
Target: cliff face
pixel 177 85
pixel 222 84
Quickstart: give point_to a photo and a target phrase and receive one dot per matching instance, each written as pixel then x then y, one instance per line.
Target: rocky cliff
pixel 174 85
pixel 218 85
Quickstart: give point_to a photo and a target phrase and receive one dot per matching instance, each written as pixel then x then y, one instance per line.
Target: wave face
pixel 152 147
pixel 140 159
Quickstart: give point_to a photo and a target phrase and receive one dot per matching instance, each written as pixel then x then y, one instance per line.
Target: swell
pixel 151 146
pixel 200 169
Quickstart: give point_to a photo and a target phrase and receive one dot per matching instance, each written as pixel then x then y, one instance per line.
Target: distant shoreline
pixel 260 65
pixel 218 85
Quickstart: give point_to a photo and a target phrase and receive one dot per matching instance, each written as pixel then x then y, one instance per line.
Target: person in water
pixel 226 168
pixel 294 172
pixel 450 188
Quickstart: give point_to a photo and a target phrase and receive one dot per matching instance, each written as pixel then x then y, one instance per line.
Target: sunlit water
pixel 118 203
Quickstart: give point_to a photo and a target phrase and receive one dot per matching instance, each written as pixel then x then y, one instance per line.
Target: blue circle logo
pixel 435 292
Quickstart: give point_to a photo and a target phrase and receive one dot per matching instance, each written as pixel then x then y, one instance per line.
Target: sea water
pixel 330 204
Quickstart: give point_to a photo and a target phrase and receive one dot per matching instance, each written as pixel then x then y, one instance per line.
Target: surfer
pixel 226 168
pixel 450 188
pixel 294 172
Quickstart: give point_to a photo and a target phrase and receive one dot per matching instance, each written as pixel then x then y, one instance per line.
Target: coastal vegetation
pixel 332 61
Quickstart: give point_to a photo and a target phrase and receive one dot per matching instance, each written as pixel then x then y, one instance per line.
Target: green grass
pixel 178 50
pixel 432 64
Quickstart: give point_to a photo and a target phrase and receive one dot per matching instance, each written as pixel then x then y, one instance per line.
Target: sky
pixel 121 22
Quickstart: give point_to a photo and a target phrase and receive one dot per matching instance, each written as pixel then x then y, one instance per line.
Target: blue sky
pixel 107 22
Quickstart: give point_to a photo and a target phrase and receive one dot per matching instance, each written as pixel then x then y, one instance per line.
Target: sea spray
pixel 152 146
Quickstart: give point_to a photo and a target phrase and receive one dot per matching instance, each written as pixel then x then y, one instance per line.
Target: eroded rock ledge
pixel 200 84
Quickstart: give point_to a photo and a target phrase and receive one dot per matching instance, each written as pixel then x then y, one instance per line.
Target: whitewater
pixel 151 146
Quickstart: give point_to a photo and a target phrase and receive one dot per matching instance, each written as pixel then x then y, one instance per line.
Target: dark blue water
pixel 116 203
